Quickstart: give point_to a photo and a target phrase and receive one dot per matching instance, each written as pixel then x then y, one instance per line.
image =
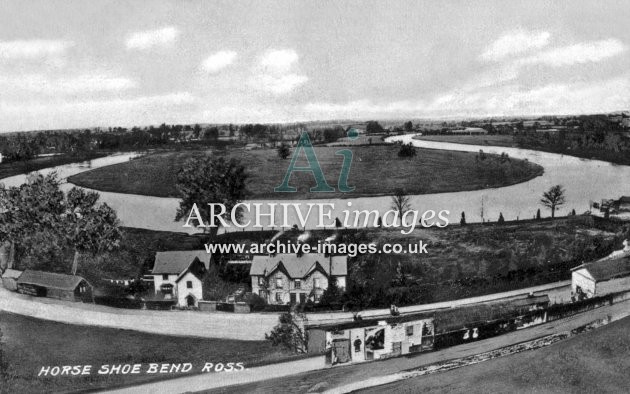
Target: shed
pixel 9 279
pixel 53 285
pixel 601 277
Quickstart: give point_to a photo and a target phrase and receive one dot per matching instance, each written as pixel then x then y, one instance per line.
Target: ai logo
pixel 305 145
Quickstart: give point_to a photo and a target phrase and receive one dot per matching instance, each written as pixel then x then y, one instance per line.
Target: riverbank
pixel 375 171
pixel 13 168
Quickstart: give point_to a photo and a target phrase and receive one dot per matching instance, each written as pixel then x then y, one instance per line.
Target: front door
pixel 293 298
pixel 302 298
pixel 190 300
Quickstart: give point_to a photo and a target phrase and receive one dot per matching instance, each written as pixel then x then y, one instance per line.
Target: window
pixel 262 293
pixel 316 283
pixel 261 281
pixel 164 276
pixel 409 331
pixel 189 284
pixel 279 282
pixel 298 284
pixel 278 297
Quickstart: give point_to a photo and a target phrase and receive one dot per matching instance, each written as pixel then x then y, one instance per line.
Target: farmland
pixel 430 171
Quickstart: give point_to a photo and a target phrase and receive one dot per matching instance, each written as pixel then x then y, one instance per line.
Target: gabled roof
pixel 50 280
pixel 299 267
pixel 11 273
pixel 175 262
pixel 606 269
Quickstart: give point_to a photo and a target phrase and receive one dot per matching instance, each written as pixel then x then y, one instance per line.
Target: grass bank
pixel 376 170
pixel 28 344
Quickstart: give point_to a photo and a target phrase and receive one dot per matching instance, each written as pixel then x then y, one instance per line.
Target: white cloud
pixel 585 52
pixel 86 83
pixel 170 108
pixel 277 84
pixel 515 43
pixel 218 61
pixel 150 38
pixel 279 60
pixel 276 72
pixel 33 49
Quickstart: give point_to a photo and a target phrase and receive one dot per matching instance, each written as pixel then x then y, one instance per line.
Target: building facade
pixel 179 276
pixel 295 279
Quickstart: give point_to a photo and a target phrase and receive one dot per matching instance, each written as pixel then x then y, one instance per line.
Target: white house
pixel 179 275
pixel 608 275
pixel 291 278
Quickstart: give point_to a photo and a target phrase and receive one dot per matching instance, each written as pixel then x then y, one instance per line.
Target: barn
pixel 53 285
pixel 601 277
pixel 9 279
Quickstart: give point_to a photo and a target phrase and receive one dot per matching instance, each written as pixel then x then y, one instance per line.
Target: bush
pixel 407 150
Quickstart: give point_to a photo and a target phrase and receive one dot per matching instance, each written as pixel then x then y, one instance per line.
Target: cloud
pixel 86 83
pixel 33 49
pixel 279 60
pixel 142 110
pixel 276 72
pixel 218 61
pixel 515 43
pixel 150 38
pixel 586 52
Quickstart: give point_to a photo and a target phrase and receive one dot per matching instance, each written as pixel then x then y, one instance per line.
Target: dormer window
pixel 298 284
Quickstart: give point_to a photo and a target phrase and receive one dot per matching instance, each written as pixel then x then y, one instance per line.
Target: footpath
pixel 311 374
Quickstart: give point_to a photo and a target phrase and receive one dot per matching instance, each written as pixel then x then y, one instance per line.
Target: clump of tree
pixel 553 198
pixel 283 151
pixel 373 127
pixel 210 180
pixel 462 221
pixel 407 150
pixel 501 218
pixel 289 333
pixel 43 223
pixel 538 214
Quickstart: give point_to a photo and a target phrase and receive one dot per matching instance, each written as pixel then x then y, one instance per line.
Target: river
pixel 584 180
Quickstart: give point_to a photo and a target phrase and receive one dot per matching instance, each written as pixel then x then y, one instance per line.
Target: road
pixel 357 376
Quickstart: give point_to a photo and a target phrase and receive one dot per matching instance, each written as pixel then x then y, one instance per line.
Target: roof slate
pixel 175 262
pixel 299 267
pixel 606 269
pixel 50 280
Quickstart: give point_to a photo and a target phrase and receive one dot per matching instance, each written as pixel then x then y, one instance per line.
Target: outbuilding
pixel 608 275
pixel 53 285
pixel 9 279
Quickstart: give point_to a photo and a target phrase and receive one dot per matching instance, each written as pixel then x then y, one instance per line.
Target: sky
pixel 69 64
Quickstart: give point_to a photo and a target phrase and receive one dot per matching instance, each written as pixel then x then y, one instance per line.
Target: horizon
pixel 87 64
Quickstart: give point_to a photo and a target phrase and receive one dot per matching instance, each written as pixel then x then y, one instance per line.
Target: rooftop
pixel 299 266
pixel 175 262
pixel 50 280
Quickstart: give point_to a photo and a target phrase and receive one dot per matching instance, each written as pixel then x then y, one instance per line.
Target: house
pixel 53 285
pixel 371 339
pixel 623 204
pixel 179 275
pixel 608 275
pixel 9 279
pixel 292 278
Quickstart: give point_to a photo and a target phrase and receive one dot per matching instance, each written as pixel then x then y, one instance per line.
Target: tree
pixel 553 198
pixel 401 202
pixel 210 180
pixel 44 223
pixel 501 219
pixel 462 221
pixel 538 214
pixel 283 151
pixel 90 228
pixel 407 150
pixel 408 127
pixel 289 333
pixel 373 127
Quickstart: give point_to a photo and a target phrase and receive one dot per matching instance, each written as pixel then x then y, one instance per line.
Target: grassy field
pixel 39 163
pixel 28 344
pixel 375 170
pixel 490 140
pixel 594 362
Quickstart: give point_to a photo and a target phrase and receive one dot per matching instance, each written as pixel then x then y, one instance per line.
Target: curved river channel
pixel 584 180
